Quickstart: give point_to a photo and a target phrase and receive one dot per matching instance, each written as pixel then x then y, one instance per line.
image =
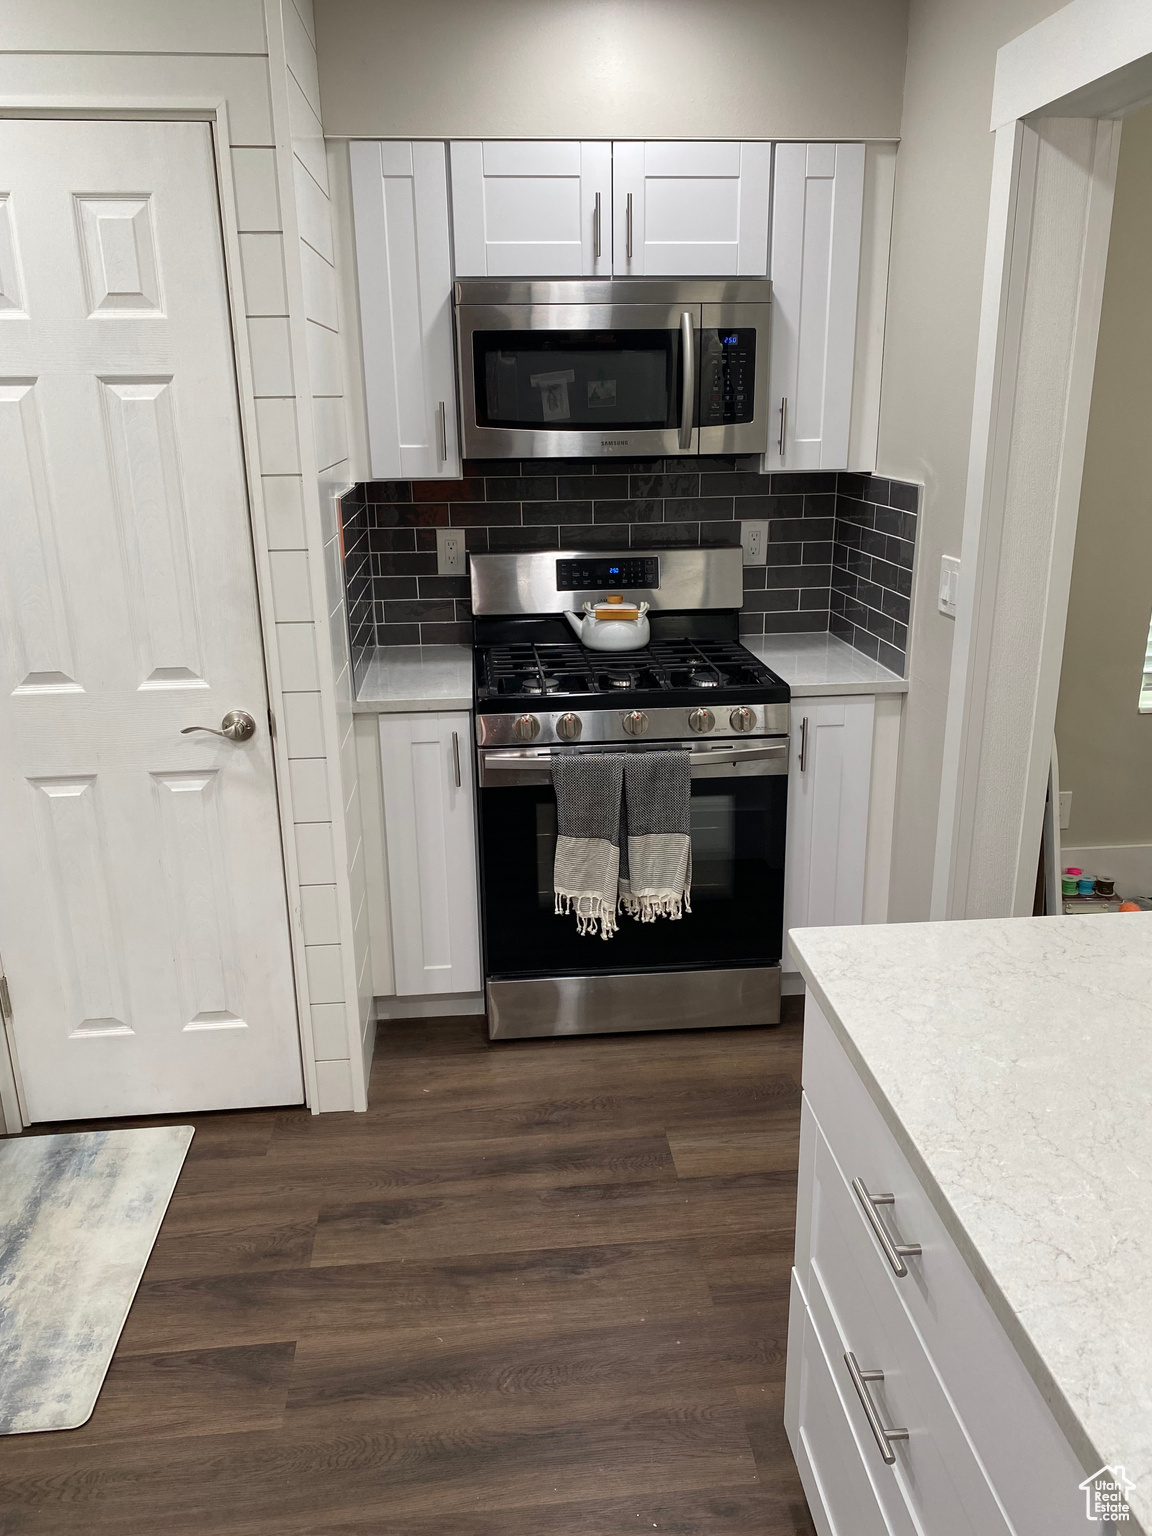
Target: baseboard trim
pixel 440 1005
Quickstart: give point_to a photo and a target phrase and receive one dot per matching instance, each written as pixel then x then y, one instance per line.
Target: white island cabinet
pixel 430 828
pixel 969 1340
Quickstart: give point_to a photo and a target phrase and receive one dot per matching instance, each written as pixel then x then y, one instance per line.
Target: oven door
pixel 567 381
pixel 739 810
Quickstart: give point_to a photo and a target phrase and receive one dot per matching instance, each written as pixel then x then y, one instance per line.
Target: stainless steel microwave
pixel 627 367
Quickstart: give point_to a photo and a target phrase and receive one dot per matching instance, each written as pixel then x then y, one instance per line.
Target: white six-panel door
pixel 143 915
pixel 430 825
pixel 532 209
pixel 690 210
pixel 404 271
pixel 817 217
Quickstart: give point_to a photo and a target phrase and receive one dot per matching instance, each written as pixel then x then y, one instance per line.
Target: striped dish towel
pixel 586 878
pixel 623 843
pixel 655 836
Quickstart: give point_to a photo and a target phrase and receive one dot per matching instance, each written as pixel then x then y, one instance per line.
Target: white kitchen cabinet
pixel 430 825
pixel 829 783
pixel 696 209
pixel 404 278
pixel 532 209
pixel 983 1455
pixel 817 219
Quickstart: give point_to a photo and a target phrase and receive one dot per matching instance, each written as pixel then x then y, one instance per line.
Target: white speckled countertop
pixel 822 664
pixel 1013 1061
pixel 405 678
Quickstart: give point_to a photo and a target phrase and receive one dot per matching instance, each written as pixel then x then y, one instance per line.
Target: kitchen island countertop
pixel 1012 1060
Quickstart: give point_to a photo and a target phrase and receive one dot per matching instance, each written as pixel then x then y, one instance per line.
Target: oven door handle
pixel 539 759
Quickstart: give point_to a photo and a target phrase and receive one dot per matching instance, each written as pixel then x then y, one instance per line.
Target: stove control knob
pixel 635 722
pixel 701 720
pixel 568 727
pixel 742 719
pixel 526 727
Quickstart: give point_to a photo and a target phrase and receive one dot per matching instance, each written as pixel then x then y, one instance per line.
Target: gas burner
pixel 541 685
pixel 621 682
pixel 699 680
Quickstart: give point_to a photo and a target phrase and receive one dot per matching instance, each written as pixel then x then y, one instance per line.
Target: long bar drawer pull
pixel 884 1437
pixel 894 1252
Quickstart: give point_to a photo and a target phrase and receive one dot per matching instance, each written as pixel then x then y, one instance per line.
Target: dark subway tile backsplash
pixel 840 546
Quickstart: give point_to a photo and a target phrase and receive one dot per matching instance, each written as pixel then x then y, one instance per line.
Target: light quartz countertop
pixel 812 665
pixel 410 678
pixel 1012 1060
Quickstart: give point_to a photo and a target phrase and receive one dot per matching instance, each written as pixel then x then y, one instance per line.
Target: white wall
pixel 134 55
pixel 765 69
pixel 1105 744
pixel 939 232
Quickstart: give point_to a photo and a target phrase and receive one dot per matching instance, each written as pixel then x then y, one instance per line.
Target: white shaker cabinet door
pixel 690 210
pixel 829 781
pixel 817 216
pixel 404 273
pixel 430 825
pixel 532 209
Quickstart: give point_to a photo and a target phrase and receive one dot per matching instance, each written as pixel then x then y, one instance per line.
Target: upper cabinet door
pixel 404 271
pixel 690 210
pixel 532 209
pixel 817 210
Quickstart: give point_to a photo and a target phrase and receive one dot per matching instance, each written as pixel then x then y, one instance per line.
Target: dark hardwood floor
pixel 539 1289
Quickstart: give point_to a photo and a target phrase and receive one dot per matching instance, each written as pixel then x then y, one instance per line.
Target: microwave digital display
pixel 727 376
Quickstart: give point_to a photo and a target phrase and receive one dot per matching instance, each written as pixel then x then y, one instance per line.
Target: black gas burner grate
pixel 533 669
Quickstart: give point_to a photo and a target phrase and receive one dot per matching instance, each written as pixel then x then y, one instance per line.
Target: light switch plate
pixel 449 551
pixel 754 541
pixel 949 584
pixel 1065 809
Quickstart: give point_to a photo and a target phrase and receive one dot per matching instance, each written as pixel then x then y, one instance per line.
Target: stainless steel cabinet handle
pixel 884 1437
pixel 894 1252
pixel 783 417
pixel 456 756
pixel 688 385
pixel 596 229
pixel 804 745
pixel 442 432
pixel 237 725
pixel 628 227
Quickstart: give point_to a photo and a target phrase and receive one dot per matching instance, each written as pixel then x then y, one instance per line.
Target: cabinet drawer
pixel 840 1491
pixel 936 1472
pixel 1021 1447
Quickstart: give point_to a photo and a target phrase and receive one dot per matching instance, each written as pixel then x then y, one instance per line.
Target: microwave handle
pixel 688 386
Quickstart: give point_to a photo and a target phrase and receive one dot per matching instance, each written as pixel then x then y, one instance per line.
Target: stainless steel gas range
pixel 540 692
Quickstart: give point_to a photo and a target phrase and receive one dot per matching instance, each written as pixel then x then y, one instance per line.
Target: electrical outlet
pixel 754 541
pixel 949 584
pixel 449 551
pixel 1065 809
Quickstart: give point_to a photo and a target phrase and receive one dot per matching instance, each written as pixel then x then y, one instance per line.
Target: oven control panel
pixel 727 377
pixel 608 575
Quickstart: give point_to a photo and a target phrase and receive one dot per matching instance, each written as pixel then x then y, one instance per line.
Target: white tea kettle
pixel 612 625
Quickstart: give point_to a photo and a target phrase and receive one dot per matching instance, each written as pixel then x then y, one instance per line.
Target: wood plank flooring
pixel 539 1289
